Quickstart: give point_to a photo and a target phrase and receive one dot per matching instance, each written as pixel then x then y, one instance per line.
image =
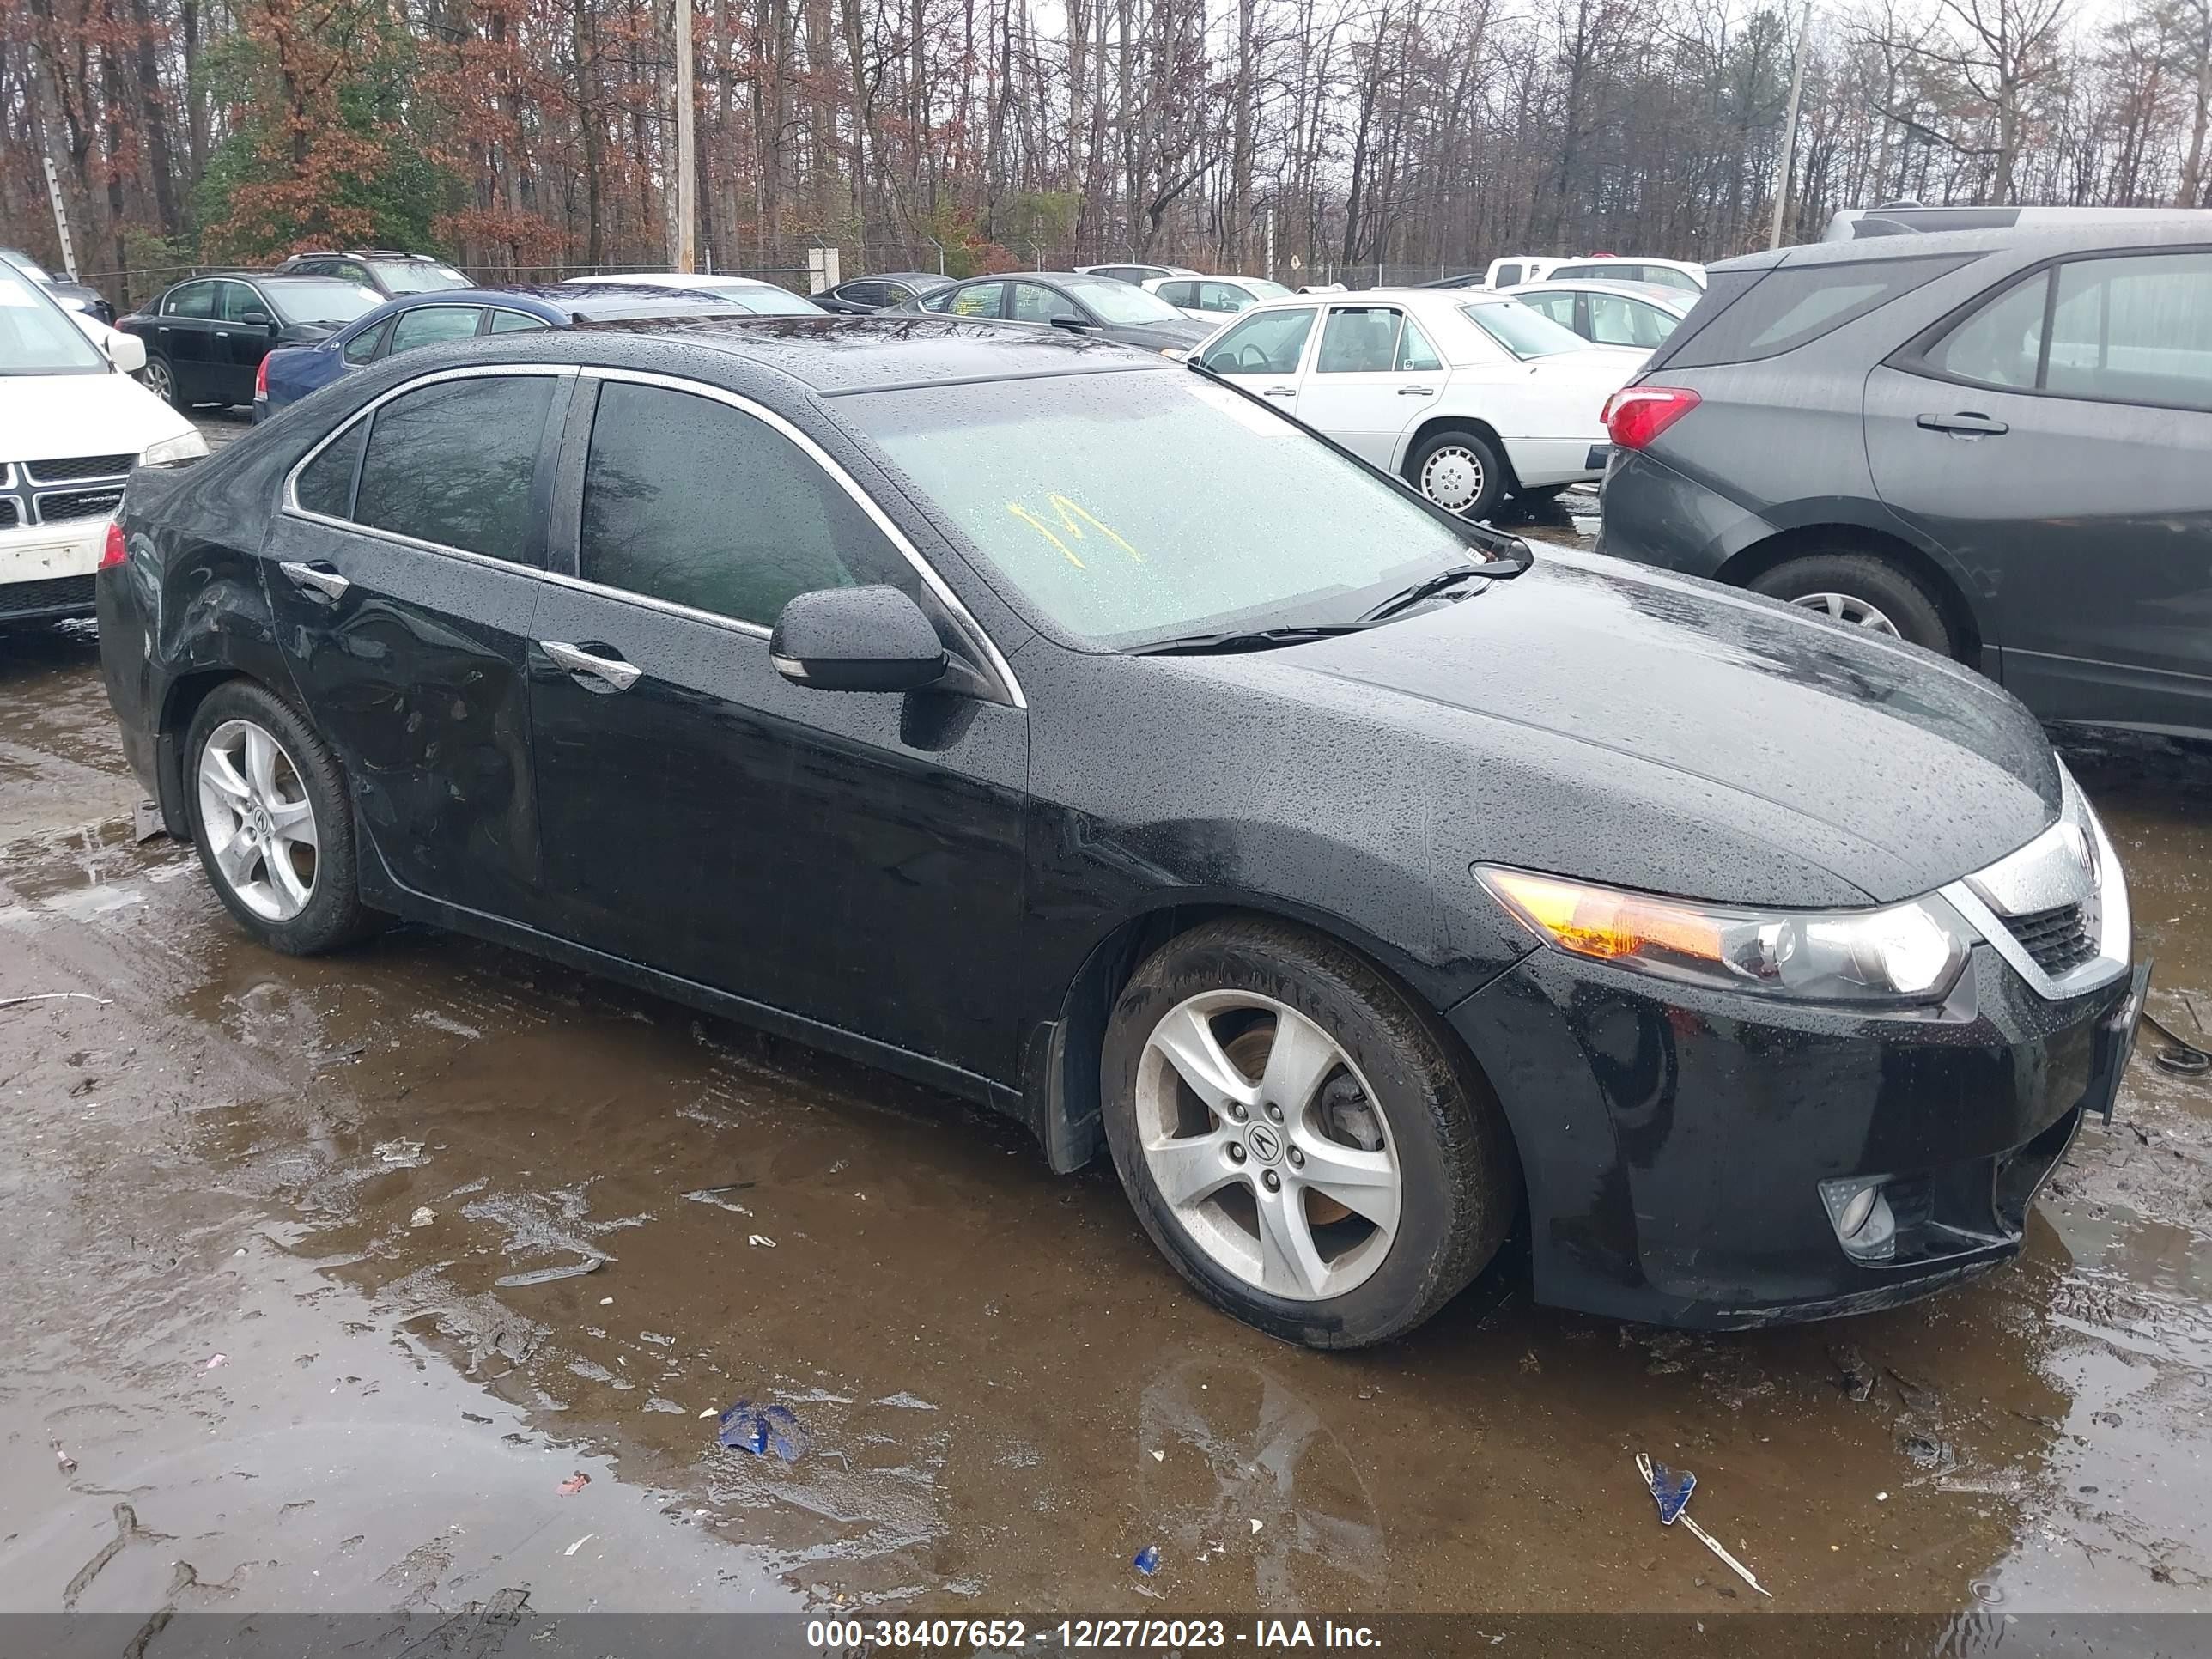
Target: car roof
pixel 2037 241
pixel 662 279
pixel 898 276
pixel 364 253
pixel 1656 292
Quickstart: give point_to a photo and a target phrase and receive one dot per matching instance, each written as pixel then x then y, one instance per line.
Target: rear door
pixel 2057 438
pixel 185 334
pixel 810 851
pixel 1264 352
pixel 245 329
pixel 404 572
pixel 1373 376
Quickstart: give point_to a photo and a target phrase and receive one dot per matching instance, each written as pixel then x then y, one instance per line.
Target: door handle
pixel 1416 391
pixel 1967 423
pixel 1279 392
pixel 316 578
pixel 223 334
pixel 618 675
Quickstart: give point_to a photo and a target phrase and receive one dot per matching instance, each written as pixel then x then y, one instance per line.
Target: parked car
pixel 458 313
pixel 1103 307
pixel 1197 819
pixel 1468 395
pixel 1139 274
pixel 1500 274
pixel 1209 298
pixel 1638 314
pixel 71 296
pixel 865 294
pixel 205 337
pixel 1990 443
pixel 387 272
pixel 736 293
pixel 72 424
pixel 1910 218
pixel 1680 275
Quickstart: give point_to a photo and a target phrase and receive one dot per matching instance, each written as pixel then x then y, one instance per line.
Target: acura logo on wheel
pixel 1266 1145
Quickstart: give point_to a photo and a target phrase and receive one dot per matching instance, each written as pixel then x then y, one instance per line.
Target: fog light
pixel 1857 1209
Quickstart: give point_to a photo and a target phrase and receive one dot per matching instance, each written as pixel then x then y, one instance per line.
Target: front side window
pixel 365 346
pixel 36 335
pixel 432 325
pixel 2133 331
pixel 1215 296
pixel 1269 343
pixel 692 501
pixel 1035 303
pixel 235 302
pixel 452 463
pixel 1616 319
pixel 1523 332
pixel 1055 481
pixel 192 300
pixel 1359 340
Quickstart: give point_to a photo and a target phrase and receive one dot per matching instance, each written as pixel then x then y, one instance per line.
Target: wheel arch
pixel 1433 424
pixel 1061 1083
pixel 181 704
pixel 1747 564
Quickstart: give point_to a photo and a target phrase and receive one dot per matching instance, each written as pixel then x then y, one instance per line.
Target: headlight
pixel 1899 953
pixel 185 446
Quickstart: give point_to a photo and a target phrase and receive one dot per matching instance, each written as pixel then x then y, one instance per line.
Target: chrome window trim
pixel 2107 898
pixel 963 618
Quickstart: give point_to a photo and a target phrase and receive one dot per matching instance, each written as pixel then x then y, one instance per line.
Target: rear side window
pixel 1359 341
pixel 1269 343
pixel 692 501
pixel 433 325
pixel 1616 319
pixel 452 464
pixel 1792 306
pixel 325 483
pixel 365 347
pixel 514 322
pixel 1508 276
pixel 192 300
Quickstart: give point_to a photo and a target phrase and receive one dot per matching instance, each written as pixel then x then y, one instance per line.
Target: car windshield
pixel 416 275
pixel 1077 490
pixel 320 299
pixel 1264 288
pixel 29 267
pixel 764 298
pixel 36 335
pixel 1523 332
pixel 1121 302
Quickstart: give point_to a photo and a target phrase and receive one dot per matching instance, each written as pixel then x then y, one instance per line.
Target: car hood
pixel 49 417
pixel 1590 719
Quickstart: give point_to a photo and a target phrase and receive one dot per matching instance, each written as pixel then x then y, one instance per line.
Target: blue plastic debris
pixel 1672 1489
pixel 762 1430
pixel 1148 1560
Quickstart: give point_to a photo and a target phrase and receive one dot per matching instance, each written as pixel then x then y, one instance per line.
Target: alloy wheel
pixel 161 382
pixel 1851 611
pixel 259 824
pixel 1453 477
pixel 1264 1140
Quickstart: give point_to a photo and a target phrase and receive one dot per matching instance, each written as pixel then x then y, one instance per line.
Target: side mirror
pixel 1069 320
pixel 126 351
pixel 856 639
pixel 258 318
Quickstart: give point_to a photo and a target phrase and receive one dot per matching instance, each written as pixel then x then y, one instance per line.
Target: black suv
pixel 1992 443
pixel 387 270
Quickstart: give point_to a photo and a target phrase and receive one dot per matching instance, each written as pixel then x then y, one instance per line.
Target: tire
pixel 159 377
pixel 1461 470
pixel 320 908
pixel 1858 589
pixel 1390 1087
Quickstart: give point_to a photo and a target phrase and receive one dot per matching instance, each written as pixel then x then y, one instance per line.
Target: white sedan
pixel 1469 396
pixel 1640 315
pixel 743 293
pixel 1209 298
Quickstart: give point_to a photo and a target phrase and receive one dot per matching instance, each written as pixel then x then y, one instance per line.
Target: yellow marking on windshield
pixel 1072 516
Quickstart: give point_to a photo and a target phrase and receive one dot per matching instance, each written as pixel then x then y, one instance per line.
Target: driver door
pixel 1264 352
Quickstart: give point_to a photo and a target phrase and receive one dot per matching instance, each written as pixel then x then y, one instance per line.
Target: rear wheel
pixel 1460 470
pixel 1861 590
pixel 1298 1137
pixel 158 378
pixel 271 820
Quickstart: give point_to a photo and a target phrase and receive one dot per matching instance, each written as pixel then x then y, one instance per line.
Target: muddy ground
pixel 254 1212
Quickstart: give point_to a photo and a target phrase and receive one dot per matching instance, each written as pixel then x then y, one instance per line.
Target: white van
pixel 72 423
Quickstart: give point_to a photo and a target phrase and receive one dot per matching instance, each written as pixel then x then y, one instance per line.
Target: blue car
pixel 453 313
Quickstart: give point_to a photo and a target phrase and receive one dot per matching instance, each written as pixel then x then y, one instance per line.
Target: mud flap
pixel 2115 1041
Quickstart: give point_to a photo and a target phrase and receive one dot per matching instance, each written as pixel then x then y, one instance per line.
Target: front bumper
pixel 1674 1139
pixel 45 570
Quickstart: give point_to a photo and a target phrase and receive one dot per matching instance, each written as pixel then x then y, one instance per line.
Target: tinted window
pixel 1035 303
pixel 1795 305
pixel 235 300
pixel 1361 341
pixel 1183 294
pixel 1507 276
pixel 863 294
pixel 2001 343
pixel 326 484
pixel 690 501
pixel 430 325
pixel 514 322
pixel 192 300
pixel 452 464
pixel 1269 343
pixel 2136 329
pixel 365 346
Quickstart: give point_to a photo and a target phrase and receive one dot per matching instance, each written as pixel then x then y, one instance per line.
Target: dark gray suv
pixel 1995 444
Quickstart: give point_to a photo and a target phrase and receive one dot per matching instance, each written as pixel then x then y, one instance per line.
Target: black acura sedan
pixel 1057 725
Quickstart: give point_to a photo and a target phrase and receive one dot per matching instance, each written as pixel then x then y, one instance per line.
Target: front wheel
pixel 1460 470
pixel 269 816
pixel 1298 1138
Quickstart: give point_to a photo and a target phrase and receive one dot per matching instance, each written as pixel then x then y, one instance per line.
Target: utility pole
pixel 61 218
pixel 687 147
pixel 1789 125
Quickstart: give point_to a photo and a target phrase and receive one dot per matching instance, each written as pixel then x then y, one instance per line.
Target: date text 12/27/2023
pixel 834 1635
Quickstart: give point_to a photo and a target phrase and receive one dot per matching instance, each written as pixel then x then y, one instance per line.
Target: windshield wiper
pixel 1262 639
pixel 1516 558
